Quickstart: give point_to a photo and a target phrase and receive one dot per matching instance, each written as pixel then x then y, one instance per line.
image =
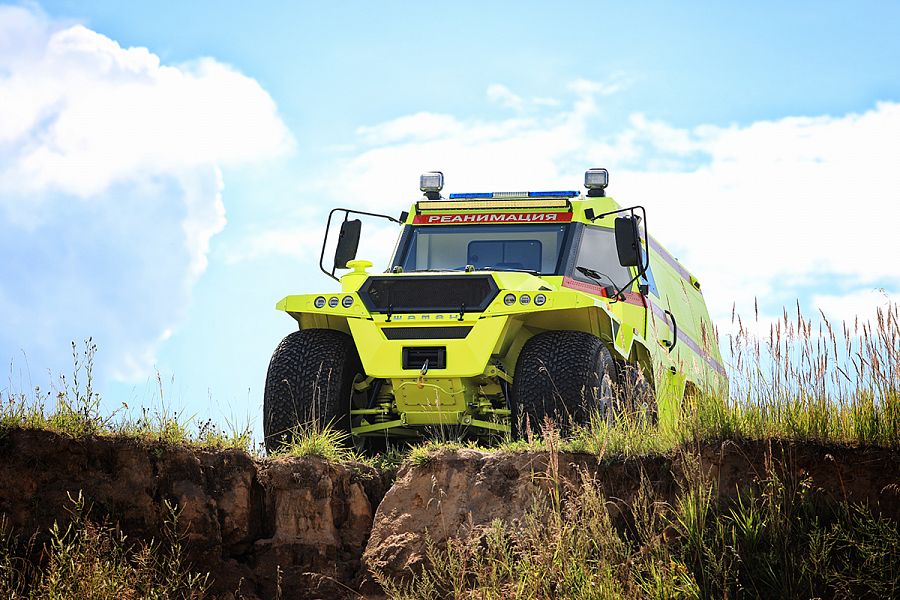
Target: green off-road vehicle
pixel 497 310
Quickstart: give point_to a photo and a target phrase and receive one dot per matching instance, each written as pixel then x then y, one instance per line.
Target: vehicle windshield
pixel 535 247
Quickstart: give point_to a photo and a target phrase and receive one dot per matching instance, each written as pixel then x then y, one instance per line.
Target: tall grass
pixel 775 539
pixel 805 380
pixel 87 559
pixel 73 407
pixel 809 380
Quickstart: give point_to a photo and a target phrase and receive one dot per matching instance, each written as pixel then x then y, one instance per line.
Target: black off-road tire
pixel 310 381
pixel 569 376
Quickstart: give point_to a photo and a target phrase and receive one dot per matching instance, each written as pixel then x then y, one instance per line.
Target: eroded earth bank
pixel 314 529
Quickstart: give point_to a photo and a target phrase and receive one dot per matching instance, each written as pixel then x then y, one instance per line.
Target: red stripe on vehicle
pixel 468 218
pixel 591 288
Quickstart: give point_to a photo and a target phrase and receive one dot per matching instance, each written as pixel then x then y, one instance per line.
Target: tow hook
pixel 420 382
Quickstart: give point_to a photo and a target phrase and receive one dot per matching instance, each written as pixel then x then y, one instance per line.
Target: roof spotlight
pixel 596 180
pixel 431 183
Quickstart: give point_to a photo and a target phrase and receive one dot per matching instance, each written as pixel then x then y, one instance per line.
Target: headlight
pixel 596 179
pixel 525 299
pixel 431 182
pixel 347 302
pixel 509 299
pixel 540 299
pixel 320 302
pixel 333 302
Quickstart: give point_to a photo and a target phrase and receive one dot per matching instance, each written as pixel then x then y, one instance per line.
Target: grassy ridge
pixel 777 539
pixel 804 381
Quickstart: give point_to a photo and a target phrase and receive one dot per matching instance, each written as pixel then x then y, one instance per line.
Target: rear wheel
pixel 568 376
pixel 309 382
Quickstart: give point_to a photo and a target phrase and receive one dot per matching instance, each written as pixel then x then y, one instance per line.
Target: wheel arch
pixel 308 320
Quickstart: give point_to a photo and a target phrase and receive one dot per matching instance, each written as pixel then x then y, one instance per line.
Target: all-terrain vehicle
pixel 497 310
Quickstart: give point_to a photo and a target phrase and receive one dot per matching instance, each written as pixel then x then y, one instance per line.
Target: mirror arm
pixel 347 212
pixel 641 268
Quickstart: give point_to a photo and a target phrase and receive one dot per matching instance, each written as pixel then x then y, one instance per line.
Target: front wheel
pixel 567 376
pixel 309 382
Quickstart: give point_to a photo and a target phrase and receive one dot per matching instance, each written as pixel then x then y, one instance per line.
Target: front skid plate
pixel 401 427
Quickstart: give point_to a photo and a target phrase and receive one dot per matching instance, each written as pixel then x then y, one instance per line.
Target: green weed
pixel 326 442
pixel 774 539
pixel 89 560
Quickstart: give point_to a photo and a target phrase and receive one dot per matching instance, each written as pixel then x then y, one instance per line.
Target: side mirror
pixel 628 242
pixel 347 244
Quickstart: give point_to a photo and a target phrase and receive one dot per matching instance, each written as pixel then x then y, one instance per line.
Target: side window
pixel 647 278
pixel 597 251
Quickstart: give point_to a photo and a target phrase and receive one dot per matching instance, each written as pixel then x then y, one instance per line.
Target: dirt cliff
pixel 300 524
pixel 314 529
pixel 457 494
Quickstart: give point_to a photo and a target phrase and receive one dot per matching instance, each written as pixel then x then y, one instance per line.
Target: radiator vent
pixel 425 332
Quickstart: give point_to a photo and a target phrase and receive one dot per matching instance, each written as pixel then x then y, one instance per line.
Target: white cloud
pixel 863 304
pixel 420 126
pixel 300 242
pixel 503 96
pixel 776 209
pixel 111 184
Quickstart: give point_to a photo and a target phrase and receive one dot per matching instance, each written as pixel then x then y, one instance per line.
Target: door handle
pixel 668 344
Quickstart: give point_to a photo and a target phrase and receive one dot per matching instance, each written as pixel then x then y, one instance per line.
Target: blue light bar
pixel 560 194
pixel 504 195
pixel 471 195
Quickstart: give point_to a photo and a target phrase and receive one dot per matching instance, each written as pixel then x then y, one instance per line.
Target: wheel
pixel 310 381
pixel 569 376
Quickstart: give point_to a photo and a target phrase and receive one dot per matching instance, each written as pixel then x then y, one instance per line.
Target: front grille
pixel 428 293
pixel 416 357
pixel 426 333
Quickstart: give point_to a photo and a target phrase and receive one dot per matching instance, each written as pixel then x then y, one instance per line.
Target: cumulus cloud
pixel 111 185
pixel 774 210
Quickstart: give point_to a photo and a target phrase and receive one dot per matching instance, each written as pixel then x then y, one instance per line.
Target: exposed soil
pixel 320 527
pixel 244 520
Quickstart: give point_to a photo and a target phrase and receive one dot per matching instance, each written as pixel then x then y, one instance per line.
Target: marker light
pixel 333 302
pixel 540 299
pixel 513 195
pixel 509 299
pixel 525 299
pixel 596 179
pixel 320 302
pixel 431 182
pixel 347 302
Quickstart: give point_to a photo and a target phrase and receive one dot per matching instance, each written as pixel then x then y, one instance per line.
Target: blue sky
pixel 166 167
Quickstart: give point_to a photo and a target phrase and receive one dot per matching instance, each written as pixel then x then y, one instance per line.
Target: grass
pixel 775 539
pixel 86 559
pixel 325 442
pixel 74 408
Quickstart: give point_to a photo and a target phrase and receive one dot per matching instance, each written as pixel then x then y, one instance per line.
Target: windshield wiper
pixel 433 271
pixel 596 276
pixel 535 273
